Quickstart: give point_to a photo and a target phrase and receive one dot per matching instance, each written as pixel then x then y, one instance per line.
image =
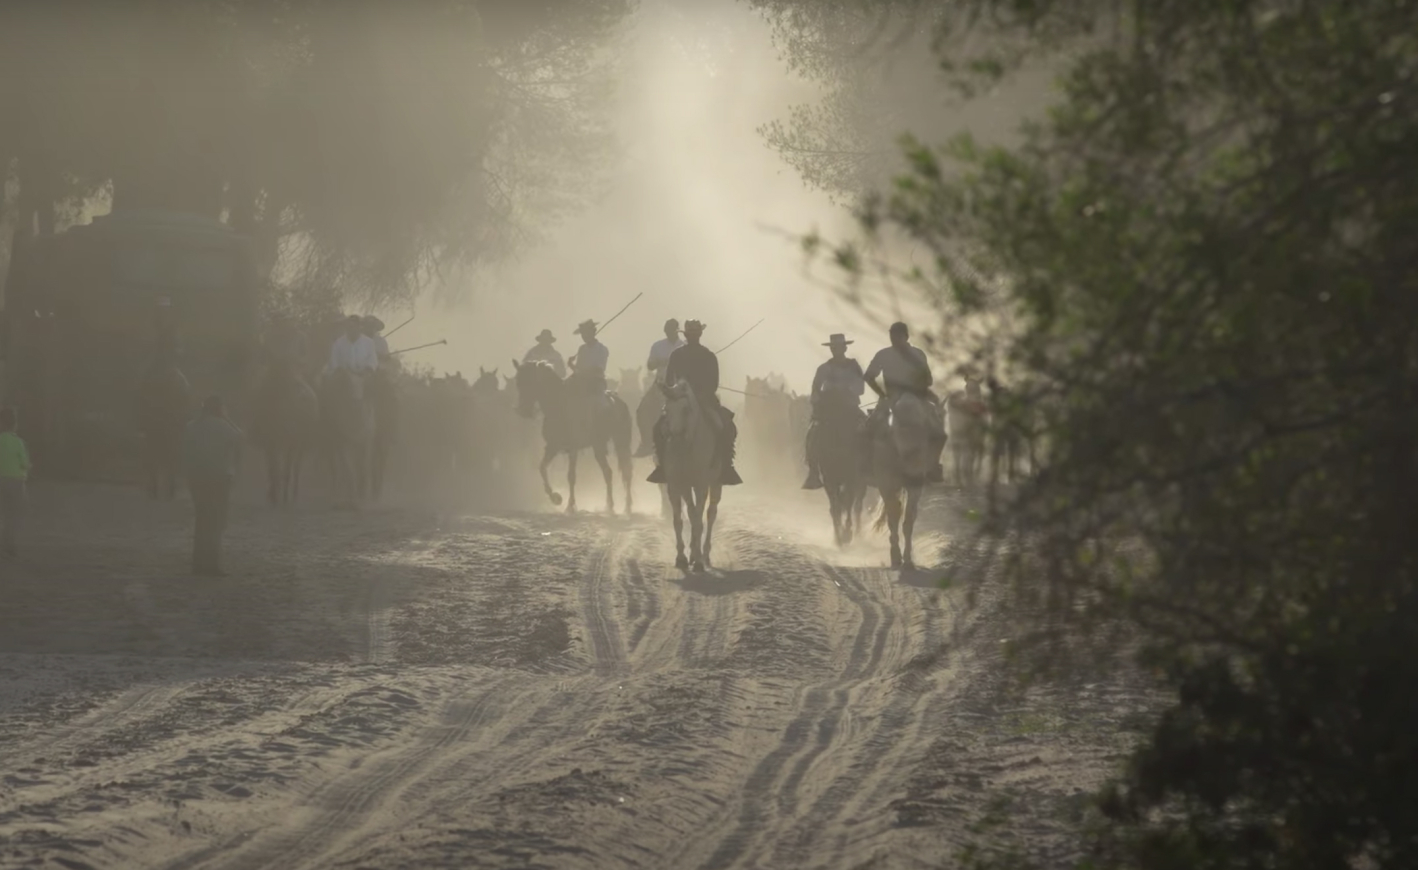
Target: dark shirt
pixel 696 364
pixel 839 380
pixel 212 447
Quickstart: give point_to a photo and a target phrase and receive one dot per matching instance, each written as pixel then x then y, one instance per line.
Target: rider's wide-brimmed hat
pixel 837 339
pixel 374 323
pixel 546 336
pixel 585 327
pixel 693 326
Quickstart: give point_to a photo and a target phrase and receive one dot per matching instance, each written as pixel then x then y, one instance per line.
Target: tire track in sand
pixel 337 807
pixel 770 793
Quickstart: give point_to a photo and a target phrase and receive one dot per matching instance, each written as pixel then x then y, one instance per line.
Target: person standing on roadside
pixel 212 456
pixel 14 471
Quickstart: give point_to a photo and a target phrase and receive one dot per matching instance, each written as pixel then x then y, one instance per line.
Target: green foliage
pixel 1203 268
pixel 365 145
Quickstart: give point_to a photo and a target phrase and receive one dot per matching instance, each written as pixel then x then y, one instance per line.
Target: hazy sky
pixel 698 217
pixel 684 223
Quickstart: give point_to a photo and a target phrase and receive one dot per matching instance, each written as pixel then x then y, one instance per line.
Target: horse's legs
pixel 697 497
pixel 664 501
pixel 834 507
pixel 913 503
pixel 891 503
pixel 711 513
pixel 677 512
pixel 571 480
pixel 627 470
pixel 547 456
pixel 603 460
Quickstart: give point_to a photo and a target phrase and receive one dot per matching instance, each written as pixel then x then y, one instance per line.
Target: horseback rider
pixel 653 402
pixel 588 364
pixel 904 370
pixel 837 388
pixel 697 366
pixel 372 326
pixel 544 352
pixel 353 351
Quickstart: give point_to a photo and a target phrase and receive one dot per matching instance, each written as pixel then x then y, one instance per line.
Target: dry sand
pixel 394 689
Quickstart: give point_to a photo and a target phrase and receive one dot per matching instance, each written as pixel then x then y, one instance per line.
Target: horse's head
pixel 681 409
pixel 487 382
pixel 534 381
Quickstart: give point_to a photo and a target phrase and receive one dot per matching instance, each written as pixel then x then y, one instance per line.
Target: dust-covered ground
pixel 396 688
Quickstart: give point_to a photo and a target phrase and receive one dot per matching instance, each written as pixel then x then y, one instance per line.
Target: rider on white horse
pixel 653 402
pixel 904 370
pixel 697 366
pixel 839 383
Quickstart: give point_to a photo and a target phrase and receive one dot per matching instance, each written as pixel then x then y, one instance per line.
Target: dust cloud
pixel 699 217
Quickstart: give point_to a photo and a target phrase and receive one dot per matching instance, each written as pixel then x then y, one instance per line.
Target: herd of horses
pixel 484 428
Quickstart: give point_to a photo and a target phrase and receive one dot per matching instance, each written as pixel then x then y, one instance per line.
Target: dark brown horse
pixel 571 423
pixel 286 425
pixel 837 441
pixel 384 398
pixel 164 407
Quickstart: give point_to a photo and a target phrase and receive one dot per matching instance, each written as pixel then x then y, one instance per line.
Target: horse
pixel 566 431
pixel 164 407
pixel 837 449
pixel 967 436
pixel 384 400
pixel 693 469
pixel 286 424
pixel 629 387
pixel 904 453
pixel 347 428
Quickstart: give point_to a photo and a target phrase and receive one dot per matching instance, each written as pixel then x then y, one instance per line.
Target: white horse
pixel 904 453
pixel 693 469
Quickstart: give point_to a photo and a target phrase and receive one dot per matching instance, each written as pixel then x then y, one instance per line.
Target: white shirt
pixel 592 356
pixel 381 346
pixel 901 371
pixel 357 355
pixel 660 356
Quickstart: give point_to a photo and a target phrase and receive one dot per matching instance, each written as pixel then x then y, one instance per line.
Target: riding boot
pixel 814 478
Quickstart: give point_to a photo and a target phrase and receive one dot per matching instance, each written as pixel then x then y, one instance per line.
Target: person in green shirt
pixel 211 451
pixel 14 471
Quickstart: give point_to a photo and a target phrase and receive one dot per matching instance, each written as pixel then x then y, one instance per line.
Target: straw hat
pixel 837 339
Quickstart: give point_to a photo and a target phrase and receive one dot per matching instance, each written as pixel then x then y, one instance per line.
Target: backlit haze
pixel 696 217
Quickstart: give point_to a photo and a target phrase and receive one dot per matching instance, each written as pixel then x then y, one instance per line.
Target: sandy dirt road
pixel 391 689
